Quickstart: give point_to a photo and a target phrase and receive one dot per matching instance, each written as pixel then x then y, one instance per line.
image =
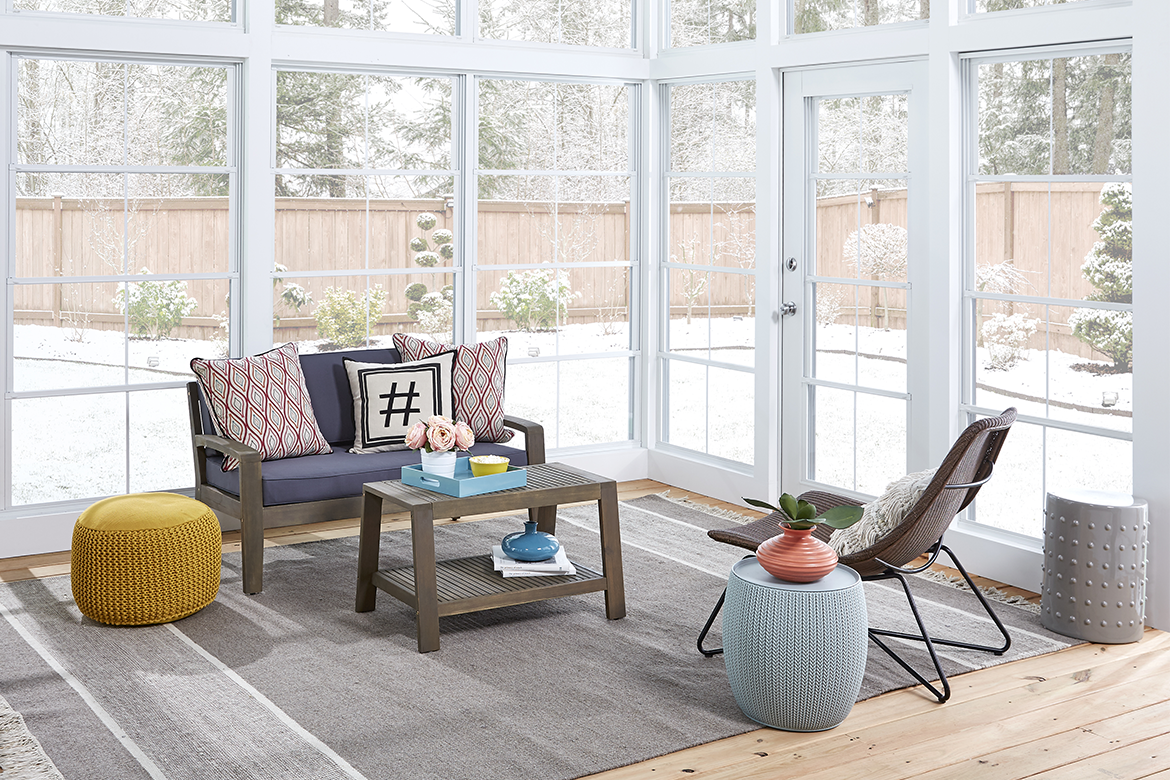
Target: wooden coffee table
pixel 453 587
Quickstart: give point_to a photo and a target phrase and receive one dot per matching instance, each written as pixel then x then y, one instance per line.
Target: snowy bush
pixel 155 308
pixel 534 300
pixel 881 250
pixel 1004 336
pixel 828 306
pixel 344 319
pixel 435 312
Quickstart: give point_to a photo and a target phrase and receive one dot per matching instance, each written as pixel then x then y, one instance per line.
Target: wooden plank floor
pixel 1091 711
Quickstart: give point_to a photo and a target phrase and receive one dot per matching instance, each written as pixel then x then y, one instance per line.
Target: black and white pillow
pixel 389 398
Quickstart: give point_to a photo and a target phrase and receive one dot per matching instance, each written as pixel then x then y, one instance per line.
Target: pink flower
pixel 441 434
pixel 416 437
pixel 464 437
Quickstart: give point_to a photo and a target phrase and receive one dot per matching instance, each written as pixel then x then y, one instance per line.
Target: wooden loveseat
pixel 311 488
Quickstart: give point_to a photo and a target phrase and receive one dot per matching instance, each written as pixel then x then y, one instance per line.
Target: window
pixel 557 253
pixel 430 17
pixel 700 22
pixel 810 16
pixel 124 182
pixel 366 213
pixel 708 278
pixel 1010 5
pixel 577 22
pixel 1049 279
pixel 182 10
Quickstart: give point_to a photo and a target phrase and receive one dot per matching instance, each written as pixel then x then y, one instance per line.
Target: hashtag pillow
pixel 389 398
pixel 478 377
pixel 261 401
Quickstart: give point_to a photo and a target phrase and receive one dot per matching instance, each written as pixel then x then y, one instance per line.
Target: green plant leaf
pixel 761 504
pixel 841 516
pixel 805 511
pixel 788 504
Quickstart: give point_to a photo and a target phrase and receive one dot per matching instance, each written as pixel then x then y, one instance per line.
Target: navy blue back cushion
pixel 328 386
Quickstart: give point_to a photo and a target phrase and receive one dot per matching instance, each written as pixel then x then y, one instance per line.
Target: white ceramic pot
pixel 440 463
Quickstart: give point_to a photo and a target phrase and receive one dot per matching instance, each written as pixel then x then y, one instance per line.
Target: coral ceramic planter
pixel 796 556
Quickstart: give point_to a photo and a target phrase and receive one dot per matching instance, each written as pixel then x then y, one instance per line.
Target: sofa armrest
pixel 243 452
pixel 533 437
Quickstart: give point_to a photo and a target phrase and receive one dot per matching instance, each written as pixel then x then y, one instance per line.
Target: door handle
pixel 788 308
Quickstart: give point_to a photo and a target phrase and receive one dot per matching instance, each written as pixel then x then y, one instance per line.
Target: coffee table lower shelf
pixel 470 584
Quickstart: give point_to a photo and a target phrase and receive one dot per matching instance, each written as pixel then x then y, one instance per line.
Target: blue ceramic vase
pixel 530 544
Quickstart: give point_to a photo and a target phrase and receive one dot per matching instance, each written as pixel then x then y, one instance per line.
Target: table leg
pixel 546 519
pixel 611 552
pixel 369 536
pixel 426 591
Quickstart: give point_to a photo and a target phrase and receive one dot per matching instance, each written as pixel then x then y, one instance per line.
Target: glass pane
pixel 594 402
pixel 1069 115
pixel 1008 5
pixel 1090 366
pixel 537 302
pixel 517 221
pixel 110 113
pixel 731 414
pixel 1014 498
pixel 357 311
pixel 93 465
pixel 687 424
pixel 410 16
pixel 411 231
pixel 321 123
pixel 850 347
pixel 711 315
pixel 862 134
pixel 539 125
pixel 321 222
pixel 713 127
pixel 203 11
pixel 74 335
pixel 811 16
pixel 160 441
pixel 409 122
pixel 698 22
pixel 605 23
pixel 861 229
pixel 881 442
pixel 1080 461
pixel 832 451
pixel 712 221
pixel 532 392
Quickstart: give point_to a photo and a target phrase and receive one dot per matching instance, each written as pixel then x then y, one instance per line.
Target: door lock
pixel 788 308
pixel 791 264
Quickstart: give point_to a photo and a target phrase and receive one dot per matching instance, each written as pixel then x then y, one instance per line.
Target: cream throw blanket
pixel 882 514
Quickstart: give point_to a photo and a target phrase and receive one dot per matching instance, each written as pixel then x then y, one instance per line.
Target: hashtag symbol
pixel 407 408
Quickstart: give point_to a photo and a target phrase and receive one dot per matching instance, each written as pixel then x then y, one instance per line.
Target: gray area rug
pixel 293 683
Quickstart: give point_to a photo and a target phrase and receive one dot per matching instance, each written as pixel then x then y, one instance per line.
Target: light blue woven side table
pixel 795 652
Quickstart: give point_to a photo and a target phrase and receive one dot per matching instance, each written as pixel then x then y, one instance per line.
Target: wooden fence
pixel 64 237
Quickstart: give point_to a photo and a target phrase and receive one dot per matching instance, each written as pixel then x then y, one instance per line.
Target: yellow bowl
pixel 482 465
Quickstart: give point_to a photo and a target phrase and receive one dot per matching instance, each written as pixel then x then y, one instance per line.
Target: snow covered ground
pixel 74 446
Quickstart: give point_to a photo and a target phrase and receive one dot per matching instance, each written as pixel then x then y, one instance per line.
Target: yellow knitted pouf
pixel 145 558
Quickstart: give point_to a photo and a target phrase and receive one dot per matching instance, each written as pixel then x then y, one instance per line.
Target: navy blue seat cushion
pixel 339 475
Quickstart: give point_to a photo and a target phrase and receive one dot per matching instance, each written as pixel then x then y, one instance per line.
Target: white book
pixel 559 564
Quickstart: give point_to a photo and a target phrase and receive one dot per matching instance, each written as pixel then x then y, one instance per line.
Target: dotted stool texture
pixel 1094 584
pixel 145 558
pixel 795 652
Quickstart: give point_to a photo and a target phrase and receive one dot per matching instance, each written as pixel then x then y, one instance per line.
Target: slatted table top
pixel 569 484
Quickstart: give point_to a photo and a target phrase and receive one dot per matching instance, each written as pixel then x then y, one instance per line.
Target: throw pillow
pixel 883 514
pixel 389 398
pixel 479 381
pixel 262 401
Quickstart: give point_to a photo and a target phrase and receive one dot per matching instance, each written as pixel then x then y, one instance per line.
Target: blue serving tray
pixel 464 483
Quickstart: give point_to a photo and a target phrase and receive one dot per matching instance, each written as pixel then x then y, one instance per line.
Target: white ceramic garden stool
pixel 1094 585
pixel 795 652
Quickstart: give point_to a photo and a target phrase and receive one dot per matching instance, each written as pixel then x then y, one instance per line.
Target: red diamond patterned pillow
pixel 262 401
pixel 478 379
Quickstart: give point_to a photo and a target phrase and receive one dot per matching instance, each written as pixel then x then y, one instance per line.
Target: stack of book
pixel 557 566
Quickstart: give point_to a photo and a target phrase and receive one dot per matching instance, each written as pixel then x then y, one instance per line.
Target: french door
pixel 854 332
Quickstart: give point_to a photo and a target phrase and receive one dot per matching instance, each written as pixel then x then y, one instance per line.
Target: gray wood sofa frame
pixel 249 506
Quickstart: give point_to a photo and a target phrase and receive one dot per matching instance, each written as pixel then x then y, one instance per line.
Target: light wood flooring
pixel 1091 711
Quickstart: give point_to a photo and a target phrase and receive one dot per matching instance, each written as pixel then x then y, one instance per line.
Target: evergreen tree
pixel 1109 266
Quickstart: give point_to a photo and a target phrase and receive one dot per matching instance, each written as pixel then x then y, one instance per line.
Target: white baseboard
pixel 36 534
